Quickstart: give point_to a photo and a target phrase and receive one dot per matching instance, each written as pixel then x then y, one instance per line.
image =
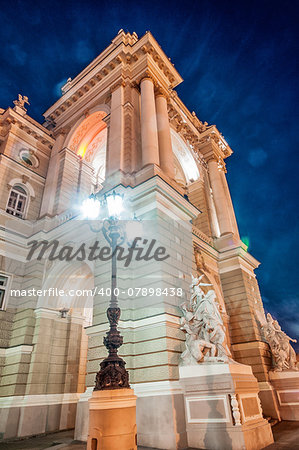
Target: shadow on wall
pixel 212 438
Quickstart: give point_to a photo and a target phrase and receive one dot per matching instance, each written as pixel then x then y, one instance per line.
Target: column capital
pixel 146 77
pixel 161 92
pixel 219 161
pixel 212 145
pixel 61 132
pixel 118 84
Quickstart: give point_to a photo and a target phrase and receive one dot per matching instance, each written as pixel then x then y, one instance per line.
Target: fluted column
pixel 164 138
pixel 220 199
pixel 149 134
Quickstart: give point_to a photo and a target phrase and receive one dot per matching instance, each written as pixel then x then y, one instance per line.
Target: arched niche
pixel 76 280
pixel 184 163
pixel 88 139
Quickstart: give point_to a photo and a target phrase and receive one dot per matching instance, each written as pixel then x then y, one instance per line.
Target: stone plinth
pixel 222 407
pixel 286 384
pixel 112 420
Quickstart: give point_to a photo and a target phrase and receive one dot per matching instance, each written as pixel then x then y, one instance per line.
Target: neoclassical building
pixel 119 124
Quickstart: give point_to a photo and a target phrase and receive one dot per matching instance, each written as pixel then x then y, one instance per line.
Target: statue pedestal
pixel 112 420
pixel 222 407
pixel 286 384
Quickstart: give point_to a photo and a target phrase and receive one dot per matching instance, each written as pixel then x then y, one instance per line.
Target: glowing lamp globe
pixel 91 207
pixel 114 204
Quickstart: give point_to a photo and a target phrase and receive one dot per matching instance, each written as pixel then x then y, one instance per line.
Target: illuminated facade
pixel 118 124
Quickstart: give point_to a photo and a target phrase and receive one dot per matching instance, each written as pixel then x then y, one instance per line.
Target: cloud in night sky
pixel 257 157
pixel 58 86
pixel 84 52
pixel 15 54
pixel 238 64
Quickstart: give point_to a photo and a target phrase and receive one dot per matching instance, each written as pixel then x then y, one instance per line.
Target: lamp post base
pixel 112 420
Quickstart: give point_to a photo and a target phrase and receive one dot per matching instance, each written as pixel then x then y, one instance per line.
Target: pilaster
pixel 197 196
pixel 115 148
pixel 85 180
pixel 67 180
pixel 244 306
pixel 220 199
pixel 48 199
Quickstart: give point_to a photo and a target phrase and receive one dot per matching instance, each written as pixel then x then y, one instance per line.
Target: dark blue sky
pixel 238 61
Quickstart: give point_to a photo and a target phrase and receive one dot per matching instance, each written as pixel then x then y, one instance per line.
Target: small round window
pixel 29 158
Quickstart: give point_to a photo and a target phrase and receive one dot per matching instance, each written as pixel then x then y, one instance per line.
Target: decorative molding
pixel 201 235
pixel 209 398
pixel 235 409
pixel 20 349
pixel 38 400
pixel 246 418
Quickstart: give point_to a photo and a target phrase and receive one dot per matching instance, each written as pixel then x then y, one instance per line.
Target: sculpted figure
pixel 202 322
pixel 196 289
pixel 283 353
pixel 22 99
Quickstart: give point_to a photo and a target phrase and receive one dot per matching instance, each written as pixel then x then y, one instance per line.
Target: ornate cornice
pixel 201 236
pixel 126 57
pixel 25 123
pixel 212 145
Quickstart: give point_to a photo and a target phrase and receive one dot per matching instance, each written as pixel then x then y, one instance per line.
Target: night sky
pixel 238 62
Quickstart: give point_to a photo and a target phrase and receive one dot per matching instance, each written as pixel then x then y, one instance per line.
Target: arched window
pixel 16 205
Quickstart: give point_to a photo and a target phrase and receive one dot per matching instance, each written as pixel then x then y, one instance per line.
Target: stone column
pixel 220 199
pixel 149 133
pixel 211 207
pixel 164 138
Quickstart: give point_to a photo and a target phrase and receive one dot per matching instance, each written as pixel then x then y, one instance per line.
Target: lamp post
pixel 112 373
pixel 112 406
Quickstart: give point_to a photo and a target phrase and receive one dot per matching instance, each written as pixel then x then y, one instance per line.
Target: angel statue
pixel 203 324
pixel 283 353
pixel 22 99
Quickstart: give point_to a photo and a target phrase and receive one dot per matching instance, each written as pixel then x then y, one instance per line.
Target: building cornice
pixel 127 58
pixel 26 124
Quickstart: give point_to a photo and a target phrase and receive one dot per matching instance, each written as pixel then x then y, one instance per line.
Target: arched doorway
pixel 65 311
pixel 88 139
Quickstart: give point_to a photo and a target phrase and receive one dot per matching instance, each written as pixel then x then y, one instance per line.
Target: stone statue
pixel 283 353
pixel 196 289
pixel 203 324
pixel 22 99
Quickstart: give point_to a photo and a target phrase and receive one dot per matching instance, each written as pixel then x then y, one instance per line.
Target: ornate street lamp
pixel 112 373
